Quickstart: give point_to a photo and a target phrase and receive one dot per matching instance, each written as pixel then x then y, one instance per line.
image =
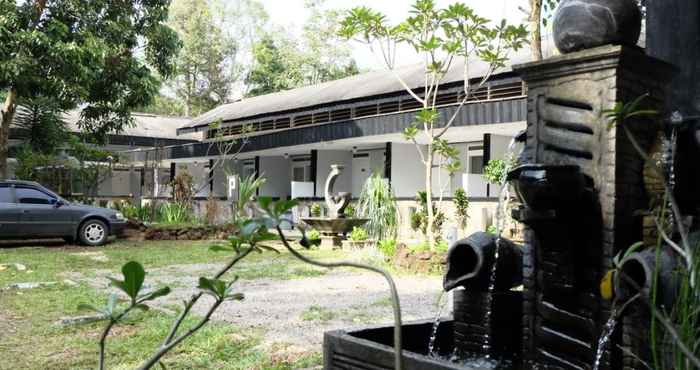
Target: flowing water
pixel 608 331
pixel 503 199
pixel 442 303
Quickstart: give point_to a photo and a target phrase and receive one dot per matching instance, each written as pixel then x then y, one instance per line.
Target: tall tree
pixel 204 74
pixel 281 62
pixel 326 54
pixel 101 55
pixel 440 37
pixel 43 124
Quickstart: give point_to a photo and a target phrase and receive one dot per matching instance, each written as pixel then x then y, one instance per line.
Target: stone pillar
pixel 673 35
pixel 567 97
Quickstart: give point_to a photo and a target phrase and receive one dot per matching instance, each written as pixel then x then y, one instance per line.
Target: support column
pixel 387 162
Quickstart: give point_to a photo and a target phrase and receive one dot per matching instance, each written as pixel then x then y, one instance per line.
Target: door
pixel 9 213
pixel 360 173
pixel 39 215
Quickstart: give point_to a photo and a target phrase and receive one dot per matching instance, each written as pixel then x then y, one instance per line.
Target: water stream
pixel 442 303
pixel 609 329
pixel 503 199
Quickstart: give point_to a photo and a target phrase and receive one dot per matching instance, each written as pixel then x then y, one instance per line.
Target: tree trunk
pixel 8 114
pixel 429 198
pixel 536 29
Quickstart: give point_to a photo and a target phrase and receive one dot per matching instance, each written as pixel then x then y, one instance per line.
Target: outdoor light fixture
pixel 286 155
pixel 354 150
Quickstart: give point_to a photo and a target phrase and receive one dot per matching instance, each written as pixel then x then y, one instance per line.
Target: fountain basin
pixel 333 229
pixel 372 349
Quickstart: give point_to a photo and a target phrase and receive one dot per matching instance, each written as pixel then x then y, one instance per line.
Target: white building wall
pixel 325 159
pixel 277 172
pixel 117 183
pixel 377 160
pixel 407 170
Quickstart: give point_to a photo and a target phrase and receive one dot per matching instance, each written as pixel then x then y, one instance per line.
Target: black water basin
pixel 372 349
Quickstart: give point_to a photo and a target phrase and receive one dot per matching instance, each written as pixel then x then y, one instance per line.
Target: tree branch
pixel 197 296
pixel 398 356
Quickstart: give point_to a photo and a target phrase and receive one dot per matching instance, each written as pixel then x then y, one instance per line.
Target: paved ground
pixel 298 311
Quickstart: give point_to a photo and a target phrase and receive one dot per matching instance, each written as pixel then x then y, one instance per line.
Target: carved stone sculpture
pixel 336 202
pixel 584 24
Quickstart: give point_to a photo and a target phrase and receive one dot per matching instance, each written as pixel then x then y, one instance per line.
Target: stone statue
pixel 585 24
pixel 336 202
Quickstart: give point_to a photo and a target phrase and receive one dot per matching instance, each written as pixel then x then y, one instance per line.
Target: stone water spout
pixel 470 263
pixel 485 315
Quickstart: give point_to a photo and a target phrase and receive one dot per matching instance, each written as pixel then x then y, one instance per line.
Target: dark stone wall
pixel 673 35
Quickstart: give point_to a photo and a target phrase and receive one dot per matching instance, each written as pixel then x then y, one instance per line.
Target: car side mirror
pixel 58 204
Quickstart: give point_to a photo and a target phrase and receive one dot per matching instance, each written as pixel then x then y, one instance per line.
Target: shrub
pixel 419 219
pixel 377 203
pixel 462 207
pixel 315 210
pixel 175 213
pixel 313 235
pixel 492 229
pixel 183 189
pixel 211 210
pixel 358 234
pixel 387 247
pixel 350 210
pixel 440 247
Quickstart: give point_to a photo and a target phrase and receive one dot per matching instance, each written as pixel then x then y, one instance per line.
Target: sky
pixel 291 14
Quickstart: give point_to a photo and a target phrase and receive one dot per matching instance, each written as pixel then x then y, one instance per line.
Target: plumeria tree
pixel 443 38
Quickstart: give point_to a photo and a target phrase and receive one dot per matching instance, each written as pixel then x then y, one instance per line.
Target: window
pixel 248 170
pixel 6 195
pixel 476 164
pixel 33 196
pixel 301 171
pixel 475 158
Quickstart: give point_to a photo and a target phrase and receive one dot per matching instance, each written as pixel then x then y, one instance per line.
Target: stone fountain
pixel 582 190
pixel 336 226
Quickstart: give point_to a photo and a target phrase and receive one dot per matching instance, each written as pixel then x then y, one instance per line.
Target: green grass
pixel 29 338
pixel 318 313
pixel 51 263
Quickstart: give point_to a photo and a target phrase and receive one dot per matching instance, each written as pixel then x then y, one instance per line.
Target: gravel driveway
pixel 298 311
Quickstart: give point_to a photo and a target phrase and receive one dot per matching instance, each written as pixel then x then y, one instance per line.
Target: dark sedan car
pixel 30 211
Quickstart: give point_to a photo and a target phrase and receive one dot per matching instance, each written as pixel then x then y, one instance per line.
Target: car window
pixel 6 194
pixel 33 196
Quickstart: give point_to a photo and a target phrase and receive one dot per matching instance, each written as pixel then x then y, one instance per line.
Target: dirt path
pixel 298 311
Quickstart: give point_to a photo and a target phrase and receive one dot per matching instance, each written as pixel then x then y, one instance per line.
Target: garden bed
pixel 418 261
pixel 139 231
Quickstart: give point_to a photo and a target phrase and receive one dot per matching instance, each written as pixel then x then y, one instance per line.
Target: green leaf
pixel 89 307
pixel 633 248
pixel 215 287
pixel 282 206
pixel 265 202
pixel 235 297
pixel 134 276
pixel 155 294
pixel 221 248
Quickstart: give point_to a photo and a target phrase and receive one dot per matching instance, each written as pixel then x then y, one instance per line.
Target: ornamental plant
pixel 444 38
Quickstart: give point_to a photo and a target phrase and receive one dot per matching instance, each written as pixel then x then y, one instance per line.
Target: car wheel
pixel 93 232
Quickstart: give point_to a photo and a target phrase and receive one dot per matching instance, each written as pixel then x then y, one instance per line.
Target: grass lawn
pixel 29 338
